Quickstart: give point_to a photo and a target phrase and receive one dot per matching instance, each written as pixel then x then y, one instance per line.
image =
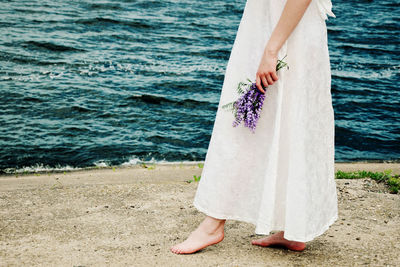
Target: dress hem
pixel 244 219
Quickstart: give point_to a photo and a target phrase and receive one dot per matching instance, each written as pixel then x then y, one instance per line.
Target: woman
pixel 282 177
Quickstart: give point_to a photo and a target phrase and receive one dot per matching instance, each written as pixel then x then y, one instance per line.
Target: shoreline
pixel 153 173
pixel 370 165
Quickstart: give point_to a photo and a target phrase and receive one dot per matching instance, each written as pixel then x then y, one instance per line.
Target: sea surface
pixel 99 83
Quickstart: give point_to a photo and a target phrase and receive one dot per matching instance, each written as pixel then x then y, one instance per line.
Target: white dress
pixel 282 176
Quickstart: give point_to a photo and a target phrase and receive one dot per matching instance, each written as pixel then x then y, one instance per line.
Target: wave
pixel 131 162
pixel 50 46
pixel 366 49
pixel 104 21
pixel 157 100
pixel 17 58
pixel 38 168
pixel 105 6
pixel 32 99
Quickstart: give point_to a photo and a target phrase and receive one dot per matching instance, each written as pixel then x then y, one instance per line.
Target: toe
pixel 256 242
pixel 174 249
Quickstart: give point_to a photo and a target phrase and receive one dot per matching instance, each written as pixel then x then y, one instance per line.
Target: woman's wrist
pixel 269 51
pixel 272 47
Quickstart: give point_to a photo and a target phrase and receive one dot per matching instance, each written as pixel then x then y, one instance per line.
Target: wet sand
pixel 131 216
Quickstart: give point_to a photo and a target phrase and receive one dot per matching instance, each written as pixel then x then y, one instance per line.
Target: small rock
pixel 357 238
pixel 106 206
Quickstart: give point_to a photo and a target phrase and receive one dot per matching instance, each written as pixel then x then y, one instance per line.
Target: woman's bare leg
pixel 278 239
pixel 209 232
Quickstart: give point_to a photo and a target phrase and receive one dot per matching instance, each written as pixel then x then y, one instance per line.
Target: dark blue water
pixel 86 83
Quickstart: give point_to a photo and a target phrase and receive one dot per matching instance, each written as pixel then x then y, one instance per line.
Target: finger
pixel 269 79
pixel 258 84
pixel 274 76
pixel 265 82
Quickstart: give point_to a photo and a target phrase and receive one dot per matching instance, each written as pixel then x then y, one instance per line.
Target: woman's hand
pixel 266 73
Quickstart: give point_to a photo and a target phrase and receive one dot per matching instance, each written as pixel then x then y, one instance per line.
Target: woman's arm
pixel 290 17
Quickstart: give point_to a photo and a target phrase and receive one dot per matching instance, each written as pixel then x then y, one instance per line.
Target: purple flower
pixel 247 108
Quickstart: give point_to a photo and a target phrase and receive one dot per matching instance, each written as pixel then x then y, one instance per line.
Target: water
pixel 86 83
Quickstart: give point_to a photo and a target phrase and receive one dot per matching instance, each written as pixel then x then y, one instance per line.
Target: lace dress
pixel 282 176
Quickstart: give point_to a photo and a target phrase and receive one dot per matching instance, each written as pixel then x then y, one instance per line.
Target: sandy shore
pixel 131 216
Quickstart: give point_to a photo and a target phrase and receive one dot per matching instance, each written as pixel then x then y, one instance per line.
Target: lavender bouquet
pixel 248 106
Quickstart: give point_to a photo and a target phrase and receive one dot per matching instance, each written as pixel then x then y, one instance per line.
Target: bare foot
pixel 278 239
pixel 209 232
